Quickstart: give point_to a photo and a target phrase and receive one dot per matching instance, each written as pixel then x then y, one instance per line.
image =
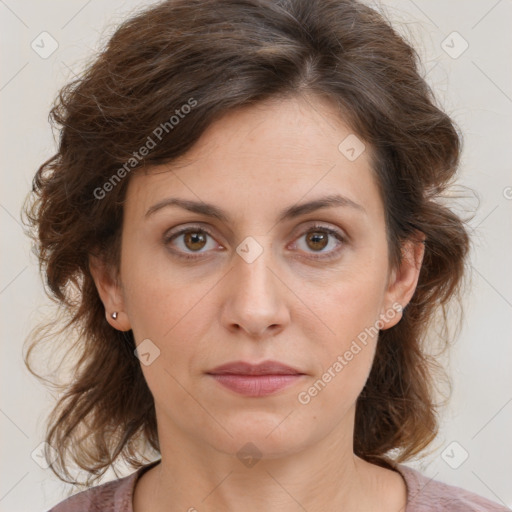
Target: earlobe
pixel 110 293
pixel 403 281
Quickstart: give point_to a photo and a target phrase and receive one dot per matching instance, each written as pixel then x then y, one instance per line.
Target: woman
pixel 243 222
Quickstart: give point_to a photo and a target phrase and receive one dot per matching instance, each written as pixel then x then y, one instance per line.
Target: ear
pixel 402 281
pixel 110 292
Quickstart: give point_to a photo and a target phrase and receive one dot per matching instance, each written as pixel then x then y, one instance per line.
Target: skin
pixel 285 306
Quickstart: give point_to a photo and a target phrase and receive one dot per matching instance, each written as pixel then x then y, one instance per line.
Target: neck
pixel 325 475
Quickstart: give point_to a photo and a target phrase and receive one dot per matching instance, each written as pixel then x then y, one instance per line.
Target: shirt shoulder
pixel 113 496
pixel 425 494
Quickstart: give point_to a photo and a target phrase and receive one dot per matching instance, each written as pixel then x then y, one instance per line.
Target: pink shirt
pixel 423 495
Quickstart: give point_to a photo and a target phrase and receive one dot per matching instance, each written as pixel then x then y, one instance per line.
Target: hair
pixel 165 75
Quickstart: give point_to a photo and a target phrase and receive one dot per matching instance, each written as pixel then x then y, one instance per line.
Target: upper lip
pixel 264 368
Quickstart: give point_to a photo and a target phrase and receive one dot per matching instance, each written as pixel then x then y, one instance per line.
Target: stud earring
pixel 114 315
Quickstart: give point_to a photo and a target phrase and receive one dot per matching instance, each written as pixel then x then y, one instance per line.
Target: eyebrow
pixel 291 212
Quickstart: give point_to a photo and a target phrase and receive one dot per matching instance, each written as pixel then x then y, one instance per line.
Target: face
pixel 309 289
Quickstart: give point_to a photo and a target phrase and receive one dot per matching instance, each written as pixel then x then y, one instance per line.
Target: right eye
pixel 193 239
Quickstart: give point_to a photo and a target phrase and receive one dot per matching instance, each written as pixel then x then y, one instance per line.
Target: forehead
pixel 263 156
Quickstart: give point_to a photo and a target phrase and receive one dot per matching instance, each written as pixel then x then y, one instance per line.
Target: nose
pixel 255 296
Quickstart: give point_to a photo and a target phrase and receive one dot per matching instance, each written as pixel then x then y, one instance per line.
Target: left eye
pixel 318 238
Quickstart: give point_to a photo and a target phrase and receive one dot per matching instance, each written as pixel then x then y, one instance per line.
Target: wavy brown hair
pixel 227 54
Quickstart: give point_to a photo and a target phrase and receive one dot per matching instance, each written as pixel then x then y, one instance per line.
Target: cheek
pixel 333 394
pixel 158 296
pixel 345 353
pixel 349 302
pixel 173 309
pixel 349 311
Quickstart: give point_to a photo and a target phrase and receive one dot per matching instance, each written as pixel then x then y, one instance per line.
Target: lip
pixel 264 368
pixel 256 380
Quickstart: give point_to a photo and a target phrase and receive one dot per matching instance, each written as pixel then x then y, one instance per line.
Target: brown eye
pixel 194 240
pixel 317 240
pixel 188 241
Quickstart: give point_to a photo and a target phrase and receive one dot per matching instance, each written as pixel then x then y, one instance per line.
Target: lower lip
pixel 256 385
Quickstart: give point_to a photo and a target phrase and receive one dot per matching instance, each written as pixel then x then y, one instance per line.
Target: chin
pixel 262 435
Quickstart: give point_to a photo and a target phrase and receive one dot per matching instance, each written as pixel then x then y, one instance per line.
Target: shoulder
pixel 425 494
pixel 113 496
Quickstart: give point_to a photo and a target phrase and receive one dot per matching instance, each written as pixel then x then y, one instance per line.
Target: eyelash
pixel 197 229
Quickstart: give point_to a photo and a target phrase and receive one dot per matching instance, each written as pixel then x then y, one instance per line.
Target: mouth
pixel 256 380
pixel 264 368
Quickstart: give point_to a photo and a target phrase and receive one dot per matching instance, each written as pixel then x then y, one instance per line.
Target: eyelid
pixel 174 232
pixel 316 224
pixel 184 228
pixel 337 233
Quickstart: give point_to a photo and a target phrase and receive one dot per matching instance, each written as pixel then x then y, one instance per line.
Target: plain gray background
pixel 474 86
